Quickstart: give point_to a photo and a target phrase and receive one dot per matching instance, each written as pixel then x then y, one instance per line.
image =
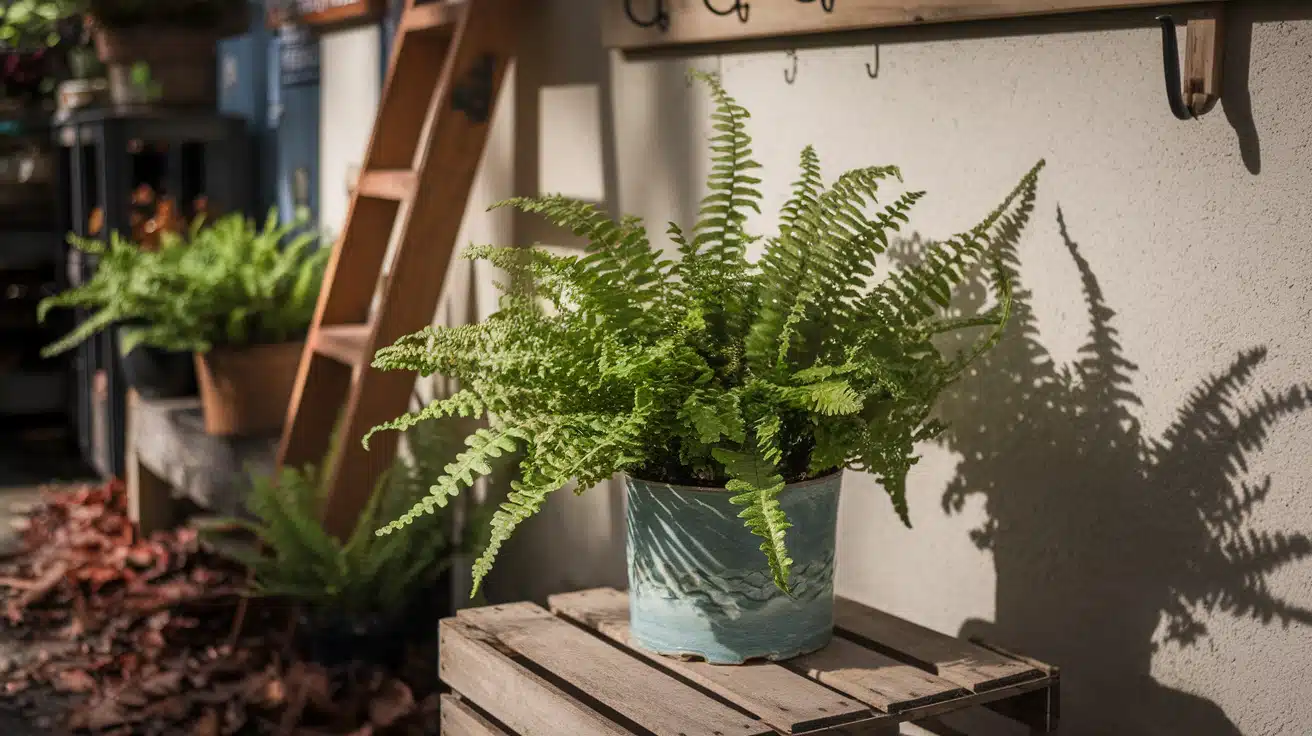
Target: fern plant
pixel 708 368
pixel 33 23
pixel 227 283
pixel 364 574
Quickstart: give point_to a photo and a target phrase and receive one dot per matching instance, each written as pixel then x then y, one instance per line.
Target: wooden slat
pixel 413 80
pixel 641 693
pixel 397 185
pixel 458 719
pixel 885 683
pixel 344 343
pixel 972 667
pixel 776 695
pixel 432 16
pixel 472 665
pixel 691 23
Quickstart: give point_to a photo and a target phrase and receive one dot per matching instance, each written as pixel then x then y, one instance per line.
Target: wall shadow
pixel 1108 542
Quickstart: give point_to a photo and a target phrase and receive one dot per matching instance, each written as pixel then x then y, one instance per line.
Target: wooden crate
pixel 519 669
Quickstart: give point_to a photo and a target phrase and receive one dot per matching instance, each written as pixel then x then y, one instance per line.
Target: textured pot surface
pixel 246 391
pixel 699 584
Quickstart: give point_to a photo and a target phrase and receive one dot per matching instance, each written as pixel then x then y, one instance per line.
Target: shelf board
pixel 690 23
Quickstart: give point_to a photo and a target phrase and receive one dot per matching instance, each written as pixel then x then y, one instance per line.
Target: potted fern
pixel 366 597
pixel 231 297
pixel 731 394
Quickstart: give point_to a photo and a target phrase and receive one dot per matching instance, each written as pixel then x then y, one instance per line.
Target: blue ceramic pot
pixel 699 584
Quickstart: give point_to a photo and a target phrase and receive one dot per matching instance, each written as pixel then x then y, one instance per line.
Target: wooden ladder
pixel 445 74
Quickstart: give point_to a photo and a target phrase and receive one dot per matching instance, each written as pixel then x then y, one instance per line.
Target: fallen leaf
pixel 41 587
pixel 164 683
pixel 133 698
pixel 98 716
pixel 142 555
pixel 392 703
pixel 271 695
pixel 207 724
pixel 151 639
pixel 74 681
pixel 173 708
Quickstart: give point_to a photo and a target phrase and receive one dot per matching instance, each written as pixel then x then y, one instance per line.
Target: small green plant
pixel 365 574
pixel 144 83
pixel 28 23
pixel 25 23
pixel 709 369
pixel 227 283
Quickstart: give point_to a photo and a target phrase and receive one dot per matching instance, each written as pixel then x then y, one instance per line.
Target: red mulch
pixel 137 636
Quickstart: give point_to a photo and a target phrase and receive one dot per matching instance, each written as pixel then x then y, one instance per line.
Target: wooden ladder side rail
pixel 472 44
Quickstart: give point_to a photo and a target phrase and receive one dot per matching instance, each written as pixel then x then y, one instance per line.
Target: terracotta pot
pixel 246 391
pixel 183 62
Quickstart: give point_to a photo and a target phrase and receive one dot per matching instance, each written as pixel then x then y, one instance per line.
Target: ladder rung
pixel 395 184
pixel 343 343
pixel 432 16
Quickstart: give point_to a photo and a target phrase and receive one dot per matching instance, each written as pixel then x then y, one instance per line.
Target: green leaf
pixel 756 484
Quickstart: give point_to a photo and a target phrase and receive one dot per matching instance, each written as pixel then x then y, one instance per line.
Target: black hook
pixel 873 71
pixel 661 19
pixel 1171 64
pixel 790 78
pixel 739 7
pixel 828 5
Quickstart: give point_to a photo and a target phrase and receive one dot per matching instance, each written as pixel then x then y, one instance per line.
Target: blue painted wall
pixel 283 118
pixel 243 80
pixel 294 113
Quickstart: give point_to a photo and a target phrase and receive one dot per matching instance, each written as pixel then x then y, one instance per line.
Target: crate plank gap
pixel 521 670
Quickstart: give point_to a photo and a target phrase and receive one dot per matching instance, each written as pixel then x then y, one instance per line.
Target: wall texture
pixel 1123 492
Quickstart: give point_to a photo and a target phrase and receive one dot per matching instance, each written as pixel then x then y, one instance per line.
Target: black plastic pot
pixel 159 374
pixel 333 637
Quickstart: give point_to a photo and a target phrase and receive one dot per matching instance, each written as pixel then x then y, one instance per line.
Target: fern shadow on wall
pixel 1107 542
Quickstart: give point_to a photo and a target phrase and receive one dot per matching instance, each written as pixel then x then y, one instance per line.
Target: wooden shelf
pixel 690 23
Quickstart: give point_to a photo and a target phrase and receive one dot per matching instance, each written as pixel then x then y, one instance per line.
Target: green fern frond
pixel 464 403
pixel 228 282
pixel 485 445
pixel 713 370
pixel 756 484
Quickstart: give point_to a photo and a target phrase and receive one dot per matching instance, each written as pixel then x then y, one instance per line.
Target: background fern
pixel 365 574
pixel 231 282
pixel 709 369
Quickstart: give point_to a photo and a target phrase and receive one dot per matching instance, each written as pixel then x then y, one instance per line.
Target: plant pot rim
pixel 712 489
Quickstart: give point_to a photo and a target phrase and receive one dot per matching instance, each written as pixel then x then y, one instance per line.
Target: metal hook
pixel 790 78
pixel 1171 65
pixel 873 71
pixel 661 19
pixel 739 7
pixel 828 5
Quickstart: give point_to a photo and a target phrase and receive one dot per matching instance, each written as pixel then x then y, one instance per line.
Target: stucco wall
pixel 1088 506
